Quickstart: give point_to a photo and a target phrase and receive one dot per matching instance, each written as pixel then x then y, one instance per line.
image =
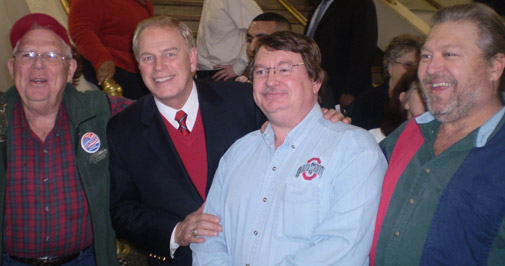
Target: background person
pixel 102 32
pixel 346 33
pixel 262 25
pixel 401 54
pixel 406 102
pixel 221 38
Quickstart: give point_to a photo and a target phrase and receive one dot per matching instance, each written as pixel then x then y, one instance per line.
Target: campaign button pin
pixel 90 142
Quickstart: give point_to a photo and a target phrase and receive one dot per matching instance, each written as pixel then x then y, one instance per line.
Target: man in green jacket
pixel 54 179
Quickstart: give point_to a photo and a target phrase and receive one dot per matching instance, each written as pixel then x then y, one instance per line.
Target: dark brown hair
pixel 296 43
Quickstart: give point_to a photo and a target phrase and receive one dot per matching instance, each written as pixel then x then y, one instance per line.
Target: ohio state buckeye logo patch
pixel 311 169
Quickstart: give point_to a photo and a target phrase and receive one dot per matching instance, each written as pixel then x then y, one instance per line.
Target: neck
pixel 452 132
pixel 41 120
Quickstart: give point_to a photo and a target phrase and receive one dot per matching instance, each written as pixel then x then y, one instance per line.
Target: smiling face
pixel 166 64
pixel 40 83
pixel 455 77
pixel 285 99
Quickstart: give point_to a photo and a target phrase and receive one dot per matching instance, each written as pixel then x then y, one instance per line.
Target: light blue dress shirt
pixel 311 201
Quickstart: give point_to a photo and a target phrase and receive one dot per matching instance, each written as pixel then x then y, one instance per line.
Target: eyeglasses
pixel 406 65
pixel 285 69
pixel 47 57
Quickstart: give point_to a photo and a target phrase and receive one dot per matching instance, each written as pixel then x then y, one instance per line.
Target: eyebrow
pixel 164 51
pixel 170 49
pixel 280 62
pixel 445 46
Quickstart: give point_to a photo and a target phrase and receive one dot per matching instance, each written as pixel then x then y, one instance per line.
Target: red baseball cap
pixel 27 22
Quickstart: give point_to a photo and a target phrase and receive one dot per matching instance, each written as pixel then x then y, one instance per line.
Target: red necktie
pixel 181 116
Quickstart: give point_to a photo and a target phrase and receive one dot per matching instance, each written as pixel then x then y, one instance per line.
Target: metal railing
pixel 291 9
pixel 433 3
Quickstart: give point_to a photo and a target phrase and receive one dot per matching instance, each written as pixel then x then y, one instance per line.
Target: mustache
pixel 272 89
pixel 430 77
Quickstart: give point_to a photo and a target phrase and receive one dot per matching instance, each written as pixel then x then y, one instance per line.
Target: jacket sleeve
pixel 145 227
pixel 84 22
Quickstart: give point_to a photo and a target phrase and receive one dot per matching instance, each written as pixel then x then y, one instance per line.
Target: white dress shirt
pixel 222 32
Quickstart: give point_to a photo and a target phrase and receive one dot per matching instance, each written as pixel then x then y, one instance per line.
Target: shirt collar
pixel 190 108
pixel 293 137
pixel 484 131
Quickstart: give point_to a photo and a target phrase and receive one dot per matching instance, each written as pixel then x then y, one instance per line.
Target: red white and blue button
pixel 90 142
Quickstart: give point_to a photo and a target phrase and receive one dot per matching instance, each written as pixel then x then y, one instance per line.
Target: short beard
pixel 458 106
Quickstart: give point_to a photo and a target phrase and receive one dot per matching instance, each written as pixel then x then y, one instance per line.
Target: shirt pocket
pixel 298 211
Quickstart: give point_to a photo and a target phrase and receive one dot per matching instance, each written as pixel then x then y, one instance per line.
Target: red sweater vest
pixel 192 150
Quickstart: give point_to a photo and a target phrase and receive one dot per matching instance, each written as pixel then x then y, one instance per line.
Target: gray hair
pixel 400 45
pixel 162 21
pixel 489 24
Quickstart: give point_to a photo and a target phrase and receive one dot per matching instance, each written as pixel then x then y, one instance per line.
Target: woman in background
pixel 102 31
pixel 401 55
pixel 406 102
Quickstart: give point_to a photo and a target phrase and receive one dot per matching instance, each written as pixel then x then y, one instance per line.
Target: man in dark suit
pixel 163 160
pixel 346 33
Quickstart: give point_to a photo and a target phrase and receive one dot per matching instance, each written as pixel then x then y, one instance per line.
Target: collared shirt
pixel 46 211
pixel 311 201
pixel 420 187
pixel 222 33
pixel 190 108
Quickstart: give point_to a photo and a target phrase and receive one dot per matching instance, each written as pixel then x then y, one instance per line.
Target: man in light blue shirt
pixel 306 191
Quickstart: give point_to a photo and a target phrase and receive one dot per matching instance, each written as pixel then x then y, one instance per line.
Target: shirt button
pixel 255 232
pixel 427 170
pixel 274 168
pixel 411 201
pixel 247 265
pixel 47 239
pixel 46 208
pixel 397 234
pixel 293 147
pixel 46 180
pixel 265 199
pixel 46 151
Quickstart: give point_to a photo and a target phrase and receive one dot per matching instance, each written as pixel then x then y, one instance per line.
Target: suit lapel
pixel 156 136
pixel 213 124
pixel 330 11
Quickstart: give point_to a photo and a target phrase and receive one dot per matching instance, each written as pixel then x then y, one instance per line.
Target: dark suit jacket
pixel 150 189
pixel 347 37
pixel 368 109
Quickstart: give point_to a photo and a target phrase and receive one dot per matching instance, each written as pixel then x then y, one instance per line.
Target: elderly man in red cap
pixel 54 179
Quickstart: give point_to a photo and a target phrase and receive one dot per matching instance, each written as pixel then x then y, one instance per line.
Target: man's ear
pixel 497 66
pixel 316 86
pixel 192 58
pixel 403 100
pixel 10 66
pixel 72 66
